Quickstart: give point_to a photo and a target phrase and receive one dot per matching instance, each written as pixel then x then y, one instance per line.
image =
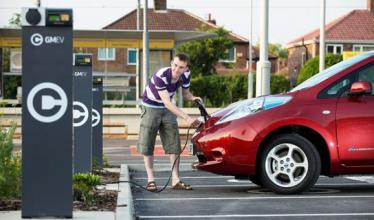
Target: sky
pixel 288 19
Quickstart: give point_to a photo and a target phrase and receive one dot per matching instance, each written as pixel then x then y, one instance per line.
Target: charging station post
pixel 97 122
pixel 47 112
pixel 1 73
pixel 82 105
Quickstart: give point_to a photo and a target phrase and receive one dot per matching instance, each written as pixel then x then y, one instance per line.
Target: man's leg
pixel 175 173
pixel 149 124
pixel 169 133
pixel 148 163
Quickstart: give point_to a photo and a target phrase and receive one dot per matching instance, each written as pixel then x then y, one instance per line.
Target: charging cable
pixel 171 172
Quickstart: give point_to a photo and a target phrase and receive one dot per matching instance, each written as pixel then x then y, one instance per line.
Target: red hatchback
pixel 284 142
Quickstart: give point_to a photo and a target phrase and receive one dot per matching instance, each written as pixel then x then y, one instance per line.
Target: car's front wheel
pixel 289 164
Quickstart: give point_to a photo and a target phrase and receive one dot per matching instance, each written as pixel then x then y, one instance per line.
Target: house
pixel 117 61
pixel 353 31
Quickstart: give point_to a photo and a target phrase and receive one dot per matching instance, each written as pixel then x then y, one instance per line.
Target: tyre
pixel 255 180
pixel 289 164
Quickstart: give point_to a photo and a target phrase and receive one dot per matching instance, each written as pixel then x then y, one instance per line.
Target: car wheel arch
pixel 306 132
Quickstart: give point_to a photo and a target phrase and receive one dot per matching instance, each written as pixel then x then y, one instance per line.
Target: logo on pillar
pixel 36 39
pixel 95 117
pixel 47 102
pixel 80 114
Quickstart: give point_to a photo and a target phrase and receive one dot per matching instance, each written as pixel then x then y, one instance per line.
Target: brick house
pixel 353 31
pixel 122 61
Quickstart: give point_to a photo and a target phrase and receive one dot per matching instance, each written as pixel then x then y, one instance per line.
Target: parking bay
pixel 223 197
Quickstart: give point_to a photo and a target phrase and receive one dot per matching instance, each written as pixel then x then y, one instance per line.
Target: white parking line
pixel 256 216
pixel 190 177
pixel 158 164
pixel 254 198
pixel 242 183
pixel 251 184
pixel 367 179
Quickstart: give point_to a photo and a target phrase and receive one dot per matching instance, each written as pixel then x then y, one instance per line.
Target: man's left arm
pixel 187 95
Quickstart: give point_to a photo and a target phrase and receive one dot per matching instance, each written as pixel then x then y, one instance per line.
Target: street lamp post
pixel 263 65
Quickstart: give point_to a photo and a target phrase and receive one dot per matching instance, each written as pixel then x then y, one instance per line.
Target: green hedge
pixel 312 66
pixel 219 91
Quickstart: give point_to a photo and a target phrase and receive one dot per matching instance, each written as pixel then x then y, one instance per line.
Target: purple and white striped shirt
pixel 161 80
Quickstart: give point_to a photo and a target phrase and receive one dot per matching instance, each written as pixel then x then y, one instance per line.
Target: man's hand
pixel 192 122
pixel 196 97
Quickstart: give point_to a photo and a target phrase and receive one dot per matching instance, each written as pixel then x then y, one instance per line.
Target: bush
pixel 219 91
pixel 279 84
pixel 84 185
pixel 312 66
pixel 95 163
pixel 10 86
pixel 10 165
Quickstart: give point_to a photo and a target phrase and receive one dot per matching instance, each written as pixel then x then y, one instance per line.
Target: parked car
pixel 324 126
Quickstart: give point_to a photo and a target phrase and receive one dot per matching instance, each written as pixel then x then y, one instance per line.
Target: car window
pixel 338 88
pixel 331 71
pixel 367 74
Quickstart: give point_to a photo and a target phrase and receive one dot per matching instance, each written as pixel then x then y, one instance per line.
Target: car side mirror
pixel 360 88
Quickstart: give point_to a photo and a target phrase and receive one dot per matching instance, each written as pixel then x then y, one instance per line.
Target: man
pixel 159 114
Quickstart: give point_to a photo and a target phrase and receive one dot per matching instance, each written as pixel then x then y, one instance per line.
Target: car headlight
pixel 252 106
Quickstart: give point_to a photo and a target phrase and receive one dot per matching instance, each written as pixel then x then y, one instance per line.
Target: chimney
pixel 370 6
pixel 210 20
pixel 160 5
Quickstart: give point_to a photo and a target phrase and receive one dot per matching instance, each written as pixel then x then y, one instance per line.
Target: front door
pixel 355 124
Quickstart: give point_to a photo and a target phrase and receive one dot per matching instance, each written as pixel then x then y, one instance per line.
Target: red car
pixel 324 126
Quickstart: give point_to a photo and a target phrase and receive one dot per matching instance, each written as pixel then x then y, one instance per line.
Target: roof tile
pixel 171 19
pixel 356 25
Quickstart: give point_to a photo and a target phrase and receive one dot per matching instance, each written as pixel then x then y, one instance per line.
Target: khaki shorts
pixel 160 120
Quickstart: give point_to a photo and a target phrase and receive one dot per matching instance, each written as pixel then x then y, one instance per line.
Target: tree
pixel 12 82
pixel 278 50
pixel 205 54
pixel 312 66
pixel 15 20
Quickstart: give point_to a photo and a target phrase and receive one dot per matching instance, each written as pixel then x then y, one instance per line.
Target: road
pixel 223 197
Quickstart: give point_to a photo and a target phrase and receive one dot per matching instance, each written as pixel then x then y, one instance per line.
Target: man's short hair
pixel 183 57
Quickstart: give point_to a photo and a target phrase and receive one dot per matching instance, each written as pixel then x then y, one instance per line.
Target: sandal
pixel 181 186
pixel 151 186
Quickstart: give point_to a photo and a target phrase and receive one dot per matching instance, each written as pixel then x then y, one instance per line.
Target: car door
pixel 355 124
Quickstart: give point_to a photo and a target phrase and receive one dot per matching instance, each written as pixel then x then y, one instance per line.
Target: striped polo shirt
pixel 161 80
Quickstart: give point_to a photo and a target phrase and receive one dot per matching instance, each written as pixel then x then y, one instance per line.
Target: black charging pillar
pixel 47 112
pixel 82 105
pixel 1 73
pixel 97 122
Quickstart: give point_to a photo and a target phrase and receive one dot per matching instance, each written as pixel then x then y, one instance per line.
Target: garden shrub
pixel 84 185
pixel 10 165
pixel 220 91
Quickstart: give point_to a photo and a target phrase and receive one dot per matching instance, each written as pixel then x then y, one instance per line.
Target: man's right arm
pixel 164 95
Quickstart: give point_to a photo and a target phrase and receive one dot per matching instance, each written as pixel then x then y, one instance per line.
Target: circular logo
pixel 95 117
pixel 48 102
pixel 78 114
pixel 36 39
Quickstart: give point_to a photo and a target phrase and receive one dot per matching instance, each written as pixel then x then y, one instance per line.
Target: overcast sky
pixel 288 19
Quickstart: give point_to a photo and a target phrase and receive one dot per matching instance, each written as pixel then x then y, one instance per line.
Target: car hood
pixel 271 101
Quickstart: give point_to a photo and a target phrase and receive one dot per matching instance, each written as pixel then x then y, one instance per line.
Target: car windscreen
pixel 331 71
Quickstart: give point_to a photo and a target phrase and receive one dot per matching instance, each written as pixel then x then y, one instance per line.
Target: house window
pixel 231 56
pixel 106 54
pixel 334 48
pixel 131 56
pixel 362 48
pixel 303 58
